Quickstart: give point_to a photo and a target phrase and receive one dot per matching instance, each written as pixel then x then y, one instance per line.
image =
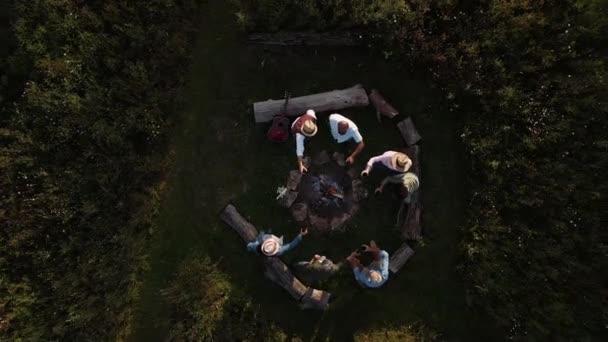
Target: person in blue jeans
pixel 271 245
pixel 374 275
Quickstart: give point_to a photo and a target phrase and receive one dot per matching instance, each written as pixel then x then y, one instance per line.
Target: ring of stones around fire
pixel 332 213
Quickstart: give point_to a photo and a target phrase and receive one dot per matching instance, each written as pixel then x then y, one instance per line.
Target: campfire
pixel 326 197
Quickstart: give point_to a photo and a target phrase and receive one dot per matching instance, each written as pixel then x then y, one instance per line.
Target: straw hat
pixel 399 161
pixel 375 276
pixel 270 247
pixel 309 128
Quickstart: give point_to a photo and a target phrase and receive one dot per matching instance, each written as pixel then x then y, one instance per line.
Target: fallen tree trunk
pixel 276 270
pixel 329 101
pixel 409 131
pixel 245 229
pixel 400 257
pixel 300 38
pixel 381 105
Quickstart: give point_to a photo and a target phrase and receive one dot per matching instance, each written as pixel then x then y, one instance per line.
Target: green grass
pixel 221 156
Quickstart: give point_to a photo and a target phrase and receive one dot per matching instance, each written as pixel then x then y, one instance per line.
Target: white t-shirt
pixel 351 133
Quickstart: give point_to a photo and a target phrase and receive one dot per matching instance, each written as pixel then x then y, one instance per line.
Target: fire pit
pixel 327 196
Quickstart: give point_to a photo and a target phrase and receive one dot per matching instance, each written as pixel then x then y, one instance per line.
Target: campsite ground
pixel 221 156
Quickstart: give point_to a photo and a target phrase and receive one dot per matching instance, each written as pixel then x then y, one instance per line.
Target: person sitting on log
pixel 271 245
pixel 376 273
pixel 317 269
pixel 343 130
pixel 303 127
pixel 409 180
pixel 391 161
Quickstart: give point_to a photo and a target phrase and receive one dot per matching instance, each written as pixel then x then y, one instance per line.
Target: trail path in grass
pixel 222 156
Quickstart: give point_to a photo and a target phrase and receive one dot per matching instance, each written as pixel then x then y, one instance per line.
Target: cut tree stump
pixel 359 191
pixel 322 102
pixel 321 158
pixel 353 173
pixel 381 105
pixel 339 158
pixel 338 222
pixel 276 270
pixel 408 131
pixel 295 38
pixel 294 180
pixel 306 161
pixel 400 257
pixel 299 211
pixel 287 200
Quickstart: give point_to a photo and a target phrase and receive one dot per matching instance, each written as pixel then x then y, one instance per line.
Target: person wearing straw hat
pixel 409 180
pixel 303 127
pixel 374 275
pixel 272 245
pixel 394 162
pixel 343 130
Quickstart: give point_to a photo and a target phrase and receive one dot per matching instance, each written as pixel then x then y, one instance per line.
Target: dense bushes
pixel 81 159
pixel 529 79
pixel 206 307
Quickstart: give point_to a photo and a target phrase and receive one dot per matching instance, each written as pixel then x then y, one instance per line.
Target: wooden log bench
pixel 381 105
pixel 412 229
pixel 276 269
pixel 408 131
pixel 329 101
pixel 400 257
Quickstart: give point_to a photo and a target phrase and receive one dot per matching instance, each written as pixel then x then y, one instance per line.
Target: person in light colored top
pixel 343 130
pixel 374 275
pixel 272 245
pixel 303 127
pixel 396 162
pixel 409 181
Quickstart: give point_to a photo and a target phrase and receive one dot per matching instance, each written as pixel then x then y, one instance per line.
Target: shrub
pixel 81 160
pixel 206 307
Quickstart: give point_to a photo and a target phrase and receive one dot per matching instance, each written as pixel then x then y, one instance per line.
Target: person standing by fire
pixel 343 130
pixel 303 127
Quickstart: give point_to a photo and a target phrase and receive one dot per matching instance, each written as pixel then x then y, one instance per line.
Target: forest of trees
pixel 86 93
pixel 87 89
pixel 529 79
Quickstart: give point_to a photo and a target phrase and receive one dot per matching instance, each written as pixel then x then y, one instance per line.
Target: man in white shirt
pixel 343 130
pixel 303 127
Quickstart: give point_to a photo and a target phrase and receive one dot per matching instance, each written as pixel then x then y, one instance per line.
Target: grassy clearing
pixel 222 156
